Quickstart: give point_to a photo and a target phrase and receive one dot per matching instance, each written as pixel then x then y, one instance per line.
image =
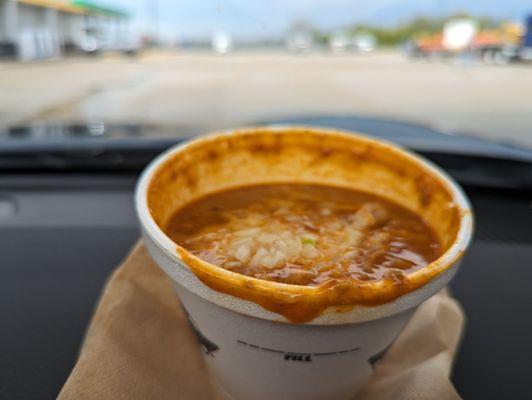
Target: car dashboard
pixel 62 232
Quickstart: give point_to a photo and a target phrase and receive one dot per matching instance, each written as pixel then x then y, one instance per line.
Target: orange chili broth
pixel 304 155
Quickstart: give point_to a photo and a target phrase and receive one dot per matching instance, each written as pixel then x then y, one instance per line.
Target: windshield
pixel 180 68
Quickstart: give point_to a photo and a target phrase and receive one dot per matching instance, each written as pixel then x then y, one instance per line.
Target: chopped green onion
pixel 307 240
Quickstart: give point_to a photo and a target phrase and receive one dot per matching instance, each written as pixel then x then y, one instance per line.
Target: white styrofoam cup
pixel 257 354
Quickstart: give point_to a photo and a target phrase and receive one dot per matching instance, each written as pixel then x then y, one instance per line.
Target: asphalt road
pixel 206 91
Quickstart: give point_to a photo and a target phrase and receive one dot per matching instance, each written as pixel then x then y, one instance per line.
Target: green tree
pixel 416 27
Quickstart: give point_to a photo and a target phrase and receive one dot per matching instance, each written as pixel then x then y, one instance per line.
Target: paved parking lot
pixel 205 91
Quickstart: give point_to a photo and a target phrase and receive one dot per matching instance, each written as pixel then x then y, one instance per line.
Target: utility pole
pixel 154 12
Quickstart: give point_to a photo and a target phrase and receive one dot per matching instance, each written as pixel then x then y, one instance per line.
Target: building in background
pixel 41 29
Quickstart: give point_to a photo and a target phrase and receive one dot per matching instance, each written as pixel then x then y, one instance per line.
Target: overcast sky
pixel 267 18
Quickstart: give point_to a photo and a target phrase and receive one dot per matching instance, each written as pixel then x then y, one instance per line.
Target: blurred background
pixel 70 68
pixel 92 90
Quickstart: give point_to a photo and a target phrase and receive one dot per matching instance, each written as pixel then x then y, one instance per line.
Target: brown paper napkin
pixel 139 346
